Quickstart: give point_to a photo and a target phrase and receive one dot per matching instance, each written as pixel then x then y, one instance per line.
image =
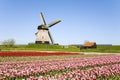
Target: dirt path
pixel 99 53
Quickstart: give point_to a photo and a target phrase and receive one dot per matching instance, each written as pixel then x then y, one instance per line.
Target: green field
pixel 41 47
pixel 70 48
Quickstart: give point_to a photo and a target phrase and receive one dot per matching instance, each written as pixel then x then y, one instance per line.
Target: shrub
pixel 9 42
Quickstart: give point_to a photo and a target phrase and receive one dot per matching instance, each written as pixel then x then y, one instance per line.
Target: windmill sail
pixel 54 22
pixel 50 37
pixel 42 19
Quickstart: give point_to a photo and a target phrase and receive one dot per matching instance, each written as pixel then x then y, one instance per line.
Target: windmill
pixel 43 36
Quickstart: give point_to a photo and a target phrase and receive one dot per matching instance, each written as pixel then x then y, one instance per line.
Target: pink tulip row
pixel 32 68
pixel 90 74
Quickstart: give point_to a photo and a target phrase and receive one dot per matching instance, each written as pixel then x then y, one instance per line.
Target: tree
pixel 9 42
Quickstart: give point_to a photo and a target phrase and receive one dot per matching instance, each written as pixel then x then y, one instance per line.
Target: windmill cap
pixel 42 27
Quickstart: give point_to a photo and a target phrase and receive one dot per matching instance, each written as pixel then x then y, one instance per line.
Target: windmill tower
pixel 43 35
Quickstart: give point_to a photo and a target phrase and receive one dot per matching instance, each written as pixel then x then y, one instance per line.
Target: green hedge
pixel 115 49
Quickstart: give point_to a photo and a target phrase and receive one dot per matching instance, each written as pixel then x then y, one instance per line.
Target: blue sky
pixel 82 20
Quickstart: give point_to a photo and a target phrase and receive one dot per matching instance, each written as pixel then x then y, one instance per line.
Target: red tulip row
pixel 26 69
pixel 5 54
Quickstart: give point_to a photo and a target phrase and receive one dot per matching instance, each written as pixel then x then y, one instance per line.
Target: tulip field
pixel 104 67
